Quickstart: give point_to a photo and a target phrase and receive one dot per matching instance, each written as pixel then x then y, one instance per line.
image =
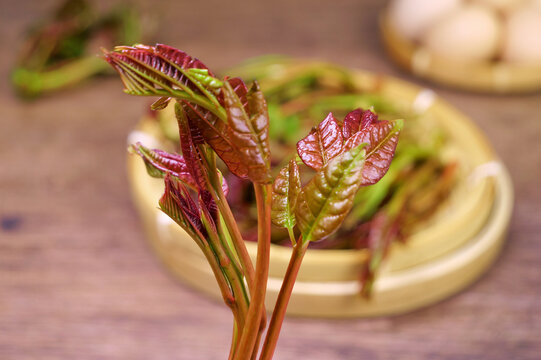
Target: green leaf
pixel 326 200
pixel 203 77
pixel 285 192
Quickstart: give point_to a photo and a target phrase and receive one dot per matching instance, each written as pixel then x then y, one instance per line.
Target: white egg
pixel 503 5
pixel 412 17
pixel 470 33
pixel 522 37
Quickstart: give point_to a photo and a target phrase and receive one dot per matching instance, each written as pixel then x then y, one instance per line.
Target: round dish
pixel 458 226
pixel 482 76
pixel 394 292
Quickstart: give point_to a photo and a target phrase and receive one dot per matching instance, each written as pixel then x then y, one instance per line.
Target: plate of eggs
pixel 479 45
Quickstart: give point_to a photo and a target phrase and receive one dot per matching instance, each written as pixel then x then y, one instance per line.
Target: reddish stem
pixel 299 249
pixel 257 303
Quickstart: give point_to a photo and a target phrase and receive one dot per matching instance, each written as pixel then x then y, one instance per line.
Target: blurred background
pixel 77 279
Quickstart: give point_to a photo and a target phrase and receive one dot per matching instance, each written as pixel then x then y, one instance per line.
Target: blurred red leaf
pixel 384 229
pixel 381 137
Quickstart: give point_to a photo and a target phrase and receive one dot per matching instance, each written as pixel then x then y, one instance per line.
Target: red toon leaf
pixel 321 144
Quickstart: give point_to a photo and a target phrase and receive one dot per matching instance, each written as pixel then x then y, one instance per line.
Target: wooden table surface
pixel 77 280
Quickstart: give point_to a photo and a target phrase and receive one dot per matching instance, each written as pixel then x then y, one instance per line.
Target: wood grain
pixel 77 280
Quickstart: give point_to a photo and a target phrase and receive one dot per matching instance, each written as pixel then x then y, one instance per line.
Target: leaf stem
pixel 257 304
pixel 236 282
pixel 229 219
pixel 220 245
pixel 234 341
pixel 214 259
pixel 220 275
pixel 196 99
pixel 291 235
pixel 229 249
pixel 255 350
pixel 299 249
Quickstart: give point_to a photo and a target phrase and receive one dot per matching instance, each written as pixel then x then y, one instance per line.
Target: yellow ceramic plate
pixel 327 283
pixel 394 291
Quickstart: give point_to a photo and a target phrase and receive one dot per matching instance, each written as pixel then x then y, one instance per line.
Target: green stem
pixel 257 303
pixel 230 222
pixel 219 243
pixel 31 82
pixel 291 235
pixel 229 249
pixel 221 279
pixel 283 299
pixel 196 99
pixel 236 282
pixel 216 265
pixel 238 241
pixel 235 272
